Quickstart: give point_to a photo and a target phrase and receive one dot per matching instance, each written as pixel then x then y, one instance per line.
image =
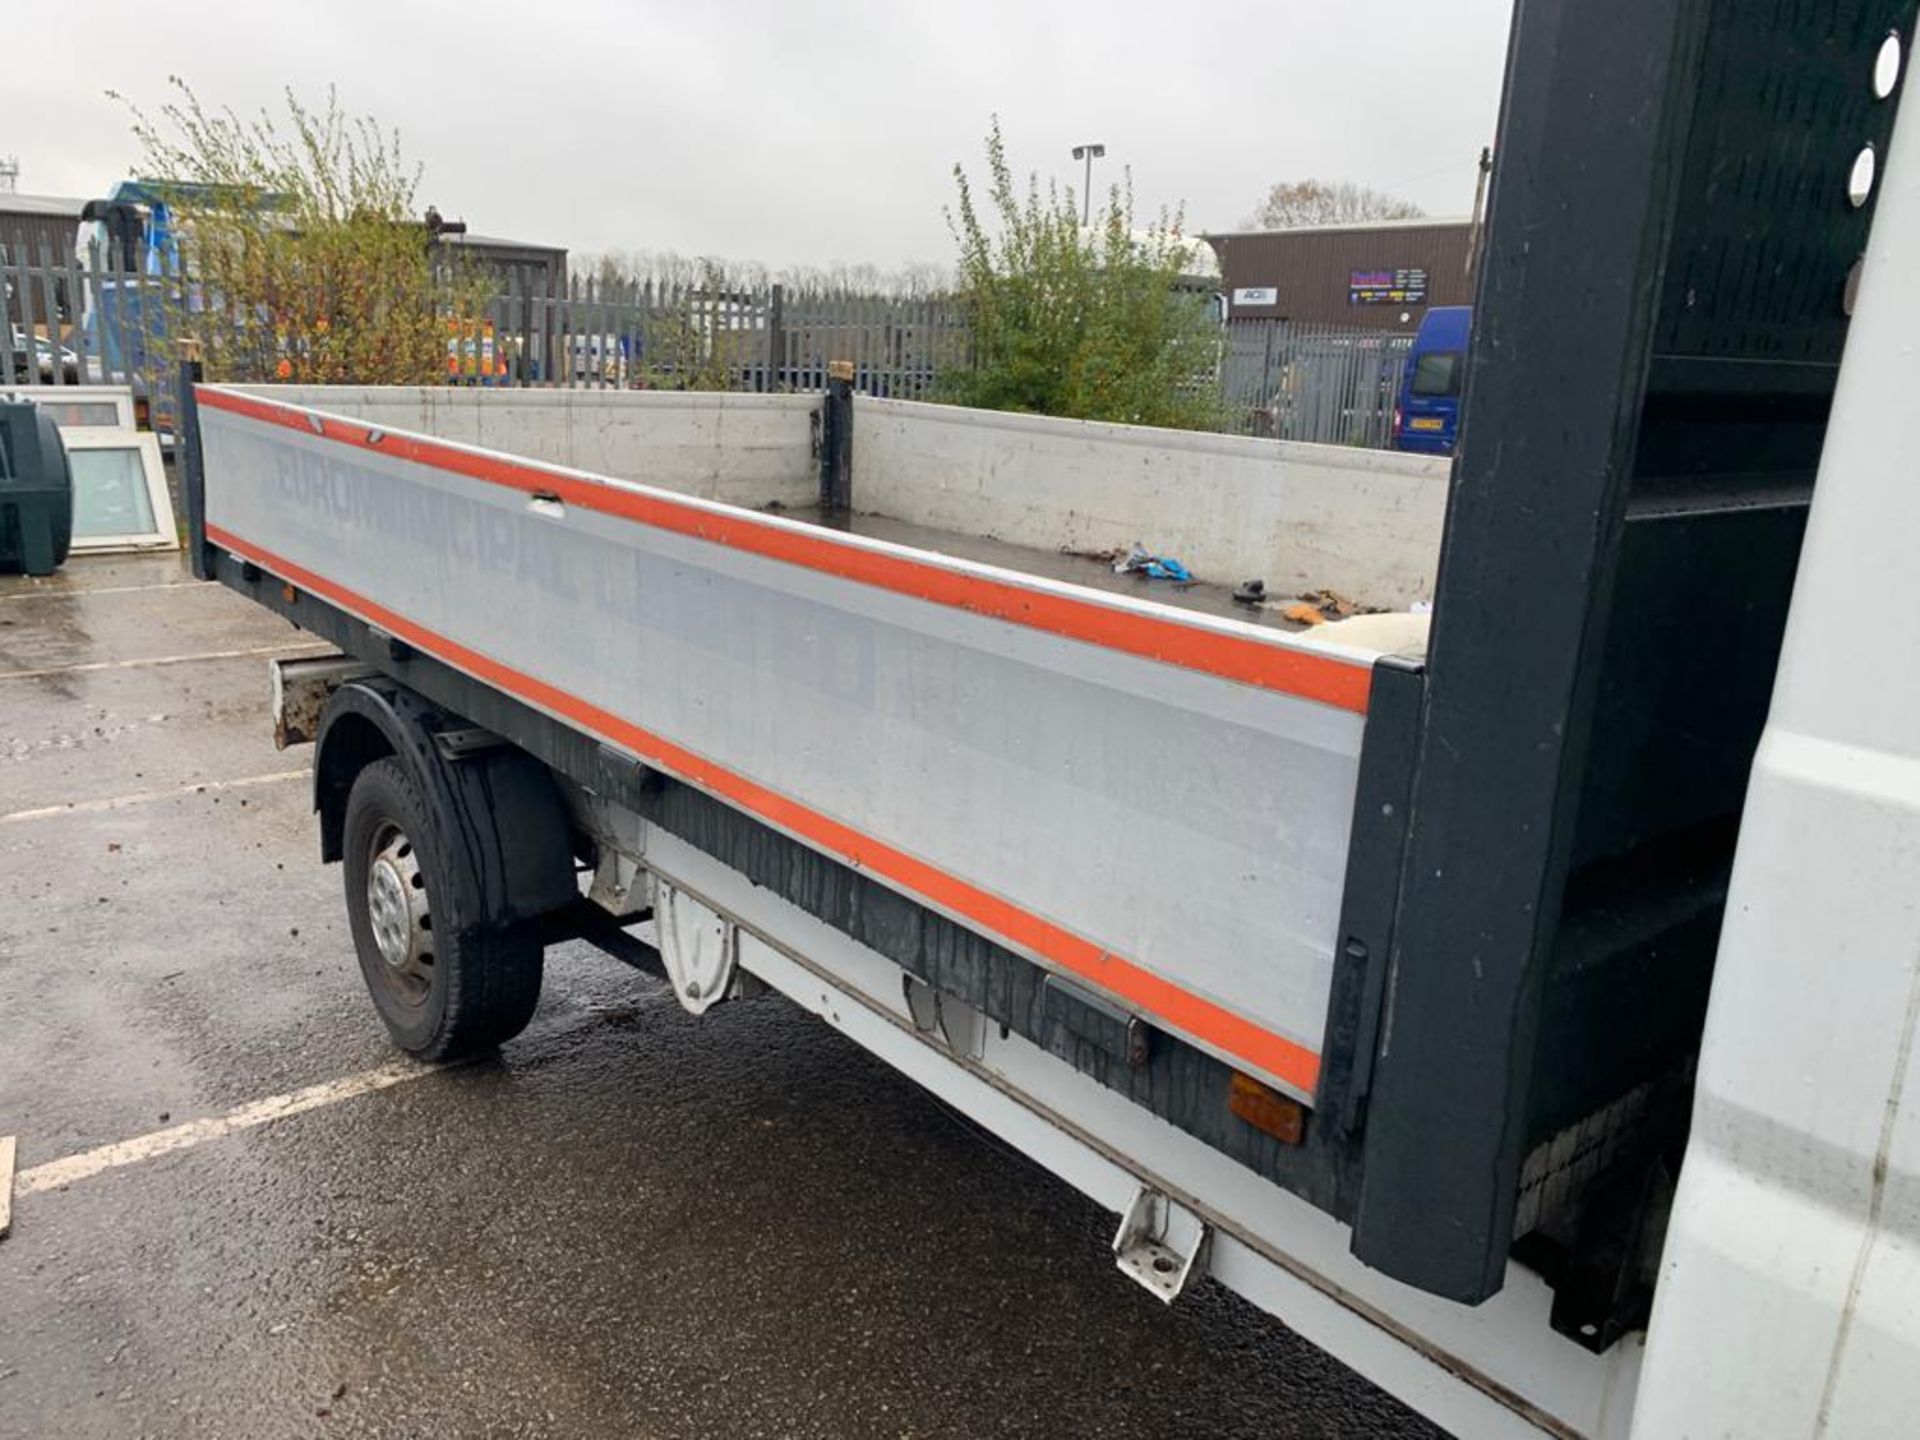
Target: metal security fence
pixel 652 335
pixel 74 324
pixel 70 324
pixel 1290 381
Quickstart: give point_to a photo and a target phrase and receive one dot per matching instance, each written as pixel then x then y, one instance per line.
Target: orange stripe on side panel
pixel 1270 666
pixel 1232 1034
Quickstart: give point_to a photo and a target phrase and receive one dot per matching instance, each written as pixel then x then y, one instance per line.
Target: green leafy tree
pixel 1092 322
pixel 304 256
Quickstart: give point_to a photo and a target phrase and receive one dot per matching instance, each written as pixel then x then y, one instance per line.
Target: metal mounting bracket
pixel 698 945
pixel 1161 1244
pixel 301 689
pixel 618 882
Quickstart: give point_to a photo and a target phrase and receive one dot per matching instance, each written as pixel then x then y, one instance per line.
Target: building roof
pixel 59 207
pixel 1418 222
pixel 495 242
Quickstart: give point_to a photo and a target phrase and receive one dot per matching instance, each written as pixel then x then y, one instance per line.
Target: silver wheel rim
pixel 397 911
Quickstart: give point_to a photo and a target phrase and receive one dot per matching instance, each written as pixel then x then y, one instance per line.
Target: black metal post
pixel 776 341
pixel 193 478
pixel 836 439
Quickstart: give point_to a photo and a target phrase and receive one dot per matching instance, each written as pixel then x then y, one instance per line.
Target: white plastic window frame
pixel 163 536
pixel 120 395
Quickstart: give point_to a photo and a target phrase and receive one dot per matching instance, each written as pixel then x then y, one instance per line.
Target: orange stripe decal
pixel 1230 1033
pixel 1268 665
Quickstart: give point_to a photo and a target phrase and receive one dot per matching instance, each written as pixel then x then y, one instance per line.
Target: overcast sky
pixel 794 133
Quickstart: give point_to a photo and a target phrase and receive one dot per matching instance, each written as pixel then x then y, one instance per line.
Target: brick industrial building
pixel 1379 275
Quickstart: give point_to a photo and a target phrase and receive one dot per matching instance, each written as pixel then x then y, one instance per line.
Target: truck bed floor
pixel 1071 568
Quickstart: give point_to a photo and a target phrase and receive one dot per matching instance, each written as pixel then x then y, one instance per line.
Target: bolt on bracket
pixel 1161 1244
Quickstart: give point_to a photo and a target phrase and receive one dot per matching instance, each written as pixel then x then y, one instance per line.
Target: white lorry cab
pixel 1521 1010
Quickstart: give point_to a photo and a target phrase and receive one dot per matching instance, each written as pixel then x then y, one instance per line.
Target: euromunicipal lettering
pixel 331 484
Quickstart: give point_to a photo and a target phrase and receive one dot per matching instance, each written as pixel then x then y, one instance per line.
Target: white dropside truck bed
pixel 1149 801
pixel 1286 952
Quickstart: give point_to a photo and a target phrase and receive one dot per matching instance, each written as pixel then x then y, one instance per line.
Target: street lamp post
pixel 1088 153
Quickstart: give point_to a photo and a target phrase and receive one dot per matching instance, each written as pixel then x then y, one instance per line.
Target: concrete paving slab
pixel 96 736
pixel 74 736
pixel 43 628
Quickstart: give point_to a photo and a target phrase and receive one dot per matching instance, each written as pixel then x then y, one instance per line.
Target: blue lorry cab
pixel 1426 413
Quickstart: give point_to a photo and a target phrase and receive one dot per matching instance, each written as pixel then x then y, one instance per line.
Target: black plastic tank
pixel 36 491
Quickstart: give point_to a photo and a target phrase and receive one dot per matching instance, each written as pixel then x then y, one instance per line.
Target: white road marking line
pixel 89 1163
pixel 56 1174
pixel 144 797
pixel 69 593
pixel 93 665
pixel 6 1185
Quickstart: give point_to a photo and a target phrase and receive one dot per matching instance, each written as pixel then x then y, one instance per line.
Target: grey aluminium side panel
pixel 1193 825
pixel 1180 1084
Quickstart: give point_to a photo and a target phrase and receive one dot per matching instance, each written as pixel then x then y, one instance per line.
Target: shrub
pixel 303 255
pixel 1091 322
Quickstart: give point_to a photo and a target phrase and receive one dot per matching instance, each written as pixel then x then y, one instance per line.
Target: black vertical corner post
pixel 1657 332
pixel 1556 371
pixel 193 475
pixel 836 440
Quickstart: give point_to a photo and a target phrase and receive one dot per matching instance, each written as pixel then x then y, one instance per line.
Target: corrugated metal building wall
pixel 34 229
pixel 37 223
pixel 1383 275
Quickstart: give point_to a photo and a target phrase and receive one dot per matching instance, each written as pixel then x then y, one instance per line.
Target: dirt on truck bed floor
pixel 631 1223
pixel 1094 571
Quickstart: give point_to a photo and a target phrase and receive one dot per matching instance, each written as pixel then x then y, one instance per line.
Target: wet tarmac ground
pixel 630 1223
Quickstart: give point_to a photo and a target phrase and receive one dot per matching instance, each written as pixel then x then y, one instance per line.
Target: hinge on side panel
pixel 1161 1244
pixel 622 774
pixel 465 742
pixel 398 650
pixel 956 1024
pixel 1089 1017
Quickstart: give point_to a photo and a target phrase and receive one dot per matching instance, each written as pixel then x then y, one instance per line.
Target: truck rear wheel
pixel 443 990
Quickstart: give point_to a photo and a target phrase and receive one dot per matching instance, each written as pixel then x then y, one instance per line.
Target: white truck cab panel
pixel 1788 1302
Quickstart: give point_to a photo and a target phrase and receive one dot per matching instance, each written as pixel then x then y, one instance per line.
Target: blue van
pixel 1426 413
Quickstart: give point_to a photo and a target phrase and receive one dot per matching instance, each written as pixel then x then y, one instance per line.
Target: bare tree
pixel 1293 203
pixel 922 280
pixel 917 280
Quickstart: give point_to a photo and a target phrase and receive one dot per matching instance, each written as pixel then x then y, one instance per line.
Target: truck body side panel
pixel 1152 802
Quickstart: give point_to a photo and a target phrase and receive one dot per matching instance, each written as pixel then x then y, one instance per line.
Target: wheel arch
pixel 497 811
pixel 349 740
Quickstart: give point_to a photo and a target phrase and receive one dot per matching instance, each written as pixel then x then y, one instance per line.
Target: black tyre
pixel 444 990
